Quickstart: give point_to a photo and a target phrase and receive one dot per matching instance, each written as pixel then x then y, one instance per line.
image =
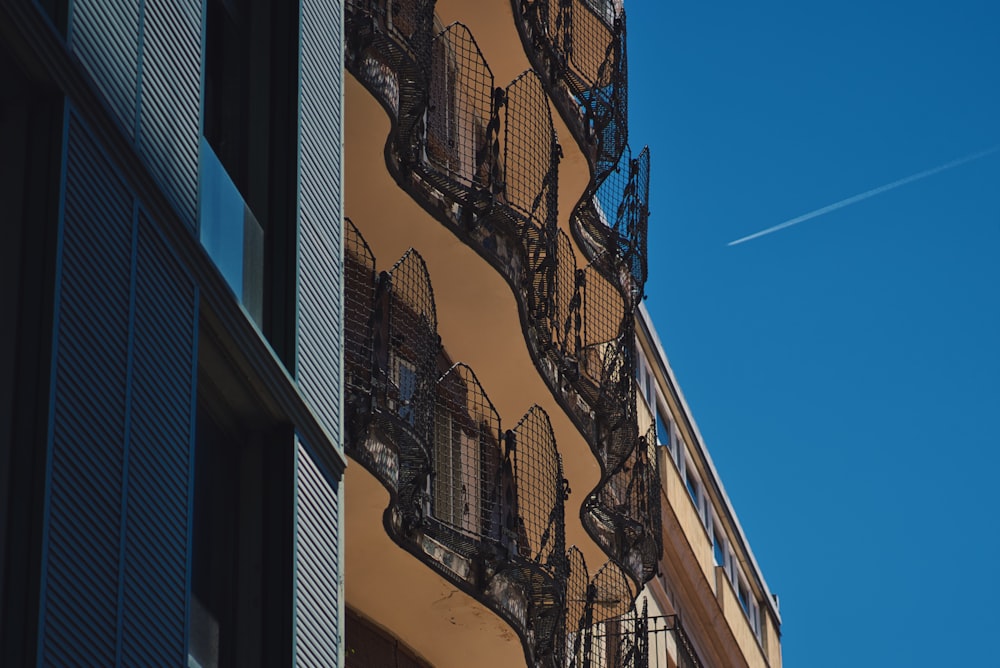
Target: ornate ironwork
pixel 669 645
pixel 604 629
pixel 484 161
pixel 460 146
pixel 482 505
pixel 611 222
pixel 578 46
pixel 388 43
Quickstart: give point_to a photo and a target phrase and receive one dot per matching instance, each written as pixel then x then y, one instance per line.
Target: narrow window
pixel 406 388
pixel 662 428
pixel 719 548
pixel 213 563
pixel 744 596
pixel 247 174
pixel 693 487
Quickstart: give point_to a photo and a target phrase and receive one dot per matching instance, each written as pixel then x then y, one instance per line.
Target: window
pixel 247 175
pixel 405 377
pixel 244 495
pixel 645 380
pixel 662 427
pixel 743 594
pixel 212 641
pixel 693 486
pixel 456 469
pixel 678 451
pixel 718 548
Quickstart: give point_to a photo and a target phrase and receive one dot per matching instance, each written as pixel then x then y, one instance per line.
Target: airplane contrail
pixel 865 195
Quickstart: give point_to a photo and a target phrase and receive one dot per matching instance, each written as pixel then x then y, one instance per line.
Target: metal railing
pixel 484 160
pixel 482 505
pixel 579 47
pixel 605 628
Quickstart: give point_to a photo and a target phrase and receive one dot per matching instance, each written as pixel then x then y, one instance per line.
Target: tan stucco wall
pixel 687 515
pixel 772 639
pixel 738 621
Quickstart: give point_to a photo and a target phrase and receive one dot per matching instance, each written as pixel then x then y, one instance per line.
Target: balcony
pixel 230 233
pixel 605 628
pixel 578 48
pixel 479 503
pixel 483 160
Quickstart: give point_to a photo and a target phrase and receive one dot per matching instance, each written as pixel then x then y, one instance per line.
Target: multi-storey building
pixel 512 503
pixel 171 381
pixel 708 575
pixel 201 340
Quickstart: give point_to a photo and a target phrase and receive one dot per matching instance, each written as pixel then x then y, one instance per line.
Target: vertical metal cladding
pixel 320 253
pixel 104 35
pixel 161 424
pixel 145 57
pixel 170 98
pixel 79 607
pixel 115 571
pixel 317 564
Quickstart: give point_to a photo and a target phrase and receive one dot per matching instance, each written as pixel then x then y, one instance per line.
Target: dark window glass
pixel 213 563
pixel 662 428
pixel 692 486
pixel 744 596
pixel 227 87
pixel 248 159
pixel 719 548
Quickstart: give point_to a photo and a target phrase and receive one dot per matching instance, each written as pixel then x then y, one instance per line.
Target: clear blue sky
pixel 845 372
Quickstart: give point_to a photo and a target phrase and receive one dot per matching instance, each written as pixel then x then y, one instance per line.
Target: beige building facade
pixel 521 460
pixel 709 575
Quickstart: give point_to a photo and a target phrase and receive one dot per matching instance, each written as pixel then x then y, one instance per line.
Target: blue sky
pixel 845 372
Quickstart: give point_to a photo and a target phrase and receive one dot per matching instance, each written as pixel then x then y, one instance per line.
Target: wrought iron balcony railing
pixel 605 629
pixel 482 505
pixel 484 161
pixel 578 47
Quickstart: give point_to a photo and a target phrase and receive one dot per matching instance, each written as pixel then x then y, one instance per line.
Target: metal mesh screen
pixel 388 49
pixel 609 632
pixel 413 345
pixel 566 300
pixel 539 484
pixel 614 222
pixel 539 479
pixel 458 145
pixel 466 456
pixel 406 351
pixel 363 294
pixel 590 33
pixel 359 306
pixel 529 159
pixel 630 494
pixel 499 194
pixel 603 319
pixel 577 582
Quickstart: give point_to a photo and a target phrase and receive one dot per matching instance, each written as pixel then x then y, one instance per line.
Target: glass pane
pixel 230 233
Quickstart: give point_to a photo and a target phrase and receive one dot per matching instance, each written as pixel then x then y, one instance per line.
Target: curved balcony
pixel 483 506
pixel 605 628
pixel 483 160
pixel 578 48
